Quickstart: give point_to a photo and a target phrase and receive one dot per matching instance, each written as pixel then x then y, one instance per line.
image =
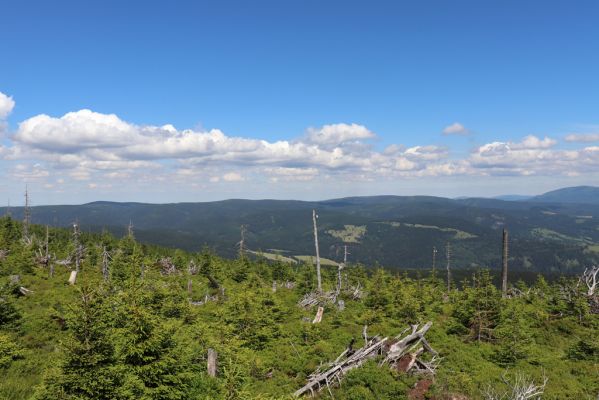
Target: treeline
pixel 139 321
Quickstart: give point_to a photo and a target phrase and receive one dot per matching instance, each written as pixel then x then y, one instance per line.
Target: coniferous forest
pixel 92 316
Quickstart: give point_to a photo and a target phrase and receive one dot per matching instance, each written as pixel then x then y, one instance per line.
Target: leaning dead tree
pixel 314 217
pixel 404 353
pixel 504 260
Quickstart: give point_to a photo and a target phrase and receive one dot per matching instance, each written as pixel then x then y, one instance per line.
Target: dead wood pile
pixel 167 267
pixel 402 353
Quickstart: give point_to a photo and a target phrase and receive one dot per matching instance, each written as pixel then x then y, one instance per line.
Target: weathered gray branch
pixel 393 350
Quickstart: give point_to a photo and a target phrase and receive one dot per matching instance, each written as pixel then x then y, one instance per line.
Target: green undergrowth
pixel 138 336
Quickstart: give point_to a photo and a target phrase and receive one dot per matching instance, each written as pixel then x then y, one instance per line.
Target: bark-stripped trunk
pixel 318 316
pixel 504 264
pixel 212 362
pixel 448 267
pixel 73 277
pixel 314 216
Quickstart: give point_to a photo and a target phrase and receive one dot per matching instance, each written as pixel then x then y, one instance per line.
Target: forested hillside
pixel 92 316
pixel 398 232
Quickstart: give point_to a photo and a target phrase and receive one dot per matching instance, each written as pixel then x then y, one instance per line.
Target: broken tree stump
pixel 318 316
pixel 73 277
pixel 212 362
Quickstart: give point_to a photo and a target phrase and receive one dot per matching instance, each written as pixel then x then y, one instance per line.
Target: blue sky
pixel 514 83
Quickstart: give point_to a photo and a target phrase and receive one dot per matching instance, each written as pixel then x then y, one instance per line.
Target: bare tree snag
pixel 189 286
pixel 73 277
pixel 212 362
pixel 241 243
pixel 130 233
pixel 434 259
pixel 414 345
pixel 167 266
pixel 345 253
pixel 318 316
pixel 338 288
pixel 589 277
pixel 521 388
pixel 47 245
pixel 274 286
pixel 105 264
pixel 314 217
pixel 26 217
pixel 78 245
pixel 448 255
pixel 504 259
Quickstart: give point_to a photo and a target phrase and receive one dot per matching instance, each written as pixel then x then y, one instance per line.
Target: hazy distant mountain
pixel 513 197
pixel 393 231
pixel 577 194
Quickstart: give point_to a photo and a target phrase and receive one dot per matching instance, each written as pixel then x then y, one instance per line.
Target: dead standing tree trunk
pixel 105 264
pixel 26 218
pixel 212 362
pixel 340 267
pixel 130 233
pixel 504 259
pixel 448 255
pixel 78 246
pixel 434 262
pixel 241 243
pixel 314 217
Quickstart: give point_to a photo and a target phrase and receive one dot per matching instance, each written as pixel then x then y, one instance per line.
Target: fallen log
pixel 317 299
pixel 24 291
pixel 413 346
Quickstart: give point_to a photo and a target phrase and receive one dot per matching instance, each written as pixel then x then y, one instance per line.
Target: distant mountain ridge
pixel 393 231
pixel 513 197
pixel 576 194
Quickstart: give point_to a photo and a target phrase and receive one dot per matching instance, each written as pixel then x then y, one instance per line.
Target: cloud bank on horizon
pixel 92 150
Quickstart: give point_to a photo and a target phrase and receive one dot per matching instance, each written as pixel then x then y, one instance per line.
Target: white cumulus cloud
pixel 86 146
pixel 582 137
pixel 456 129
pixel 6 105
pixel 232 177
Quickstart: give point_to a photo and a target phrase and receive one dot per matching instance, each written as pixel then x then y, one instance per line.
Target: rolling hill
pixel 577 194
pixel 393 231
